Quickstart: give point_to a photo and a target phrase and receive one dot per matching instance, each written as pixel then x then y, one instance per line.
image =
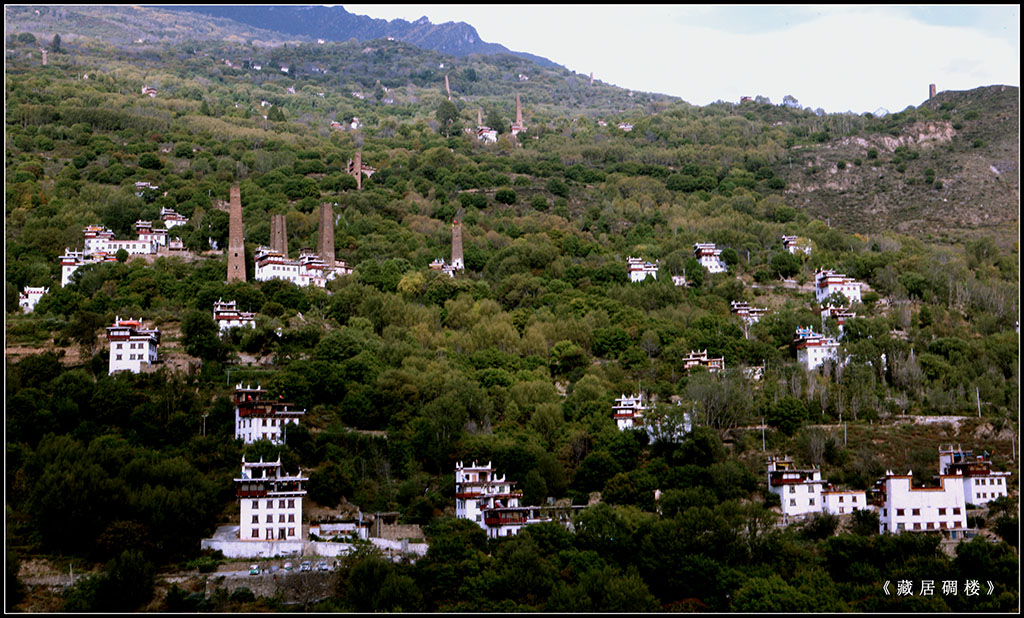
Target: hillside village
pixel 646 377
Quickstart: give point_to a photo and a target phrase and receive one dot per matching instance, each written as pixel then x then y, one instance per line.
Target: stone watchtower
pixel 236 238
pixel 357 169
pixel 931 91
pixel 326 248
pixel 279 234
pixel 457 262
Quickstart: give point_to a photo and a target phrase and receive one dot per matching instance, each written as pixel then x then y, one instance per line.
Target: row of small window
pixel 270 518
pixel 131 357
pixel 917 512
pixel 990 481
pixel 984 494
pixel 270 533
pixel 929 526
pixel 274 422
pixel 290 502
pixel 131 346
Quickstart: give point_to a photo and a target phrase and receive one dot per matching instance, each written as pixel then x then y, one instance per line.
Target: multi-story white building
pixel 629 411
pixel 795 243
pixel 709 257
pixel 839 502
pixel 28 298
pixel 700 359
pixel 679 281
pixel 147 233
pixel 270 502
pixel 828 282
pixel 258 417
pixel 132 348
pixel 309 269
pixel 981 484
pixel 99 239
pixel 639 270
pixel 798 489
pixel 813 349
pixel 227 316
pixel 483 497
pixel 908 508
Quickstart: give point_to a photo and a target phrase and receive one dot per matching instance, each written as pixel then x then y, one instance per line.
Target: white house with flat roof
pixel 828 282
pixel 981 484
pixel 922 509
pixel 709 257
pixel 270 502
pixel 799 490
pixel 28 298
pixel 132 347
pixel 258 417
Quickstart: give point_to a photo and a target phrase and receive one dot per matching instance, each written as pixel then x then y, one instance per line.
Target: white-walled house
pixel 828 282
pixel 709 257
pixel 227 316
pixel 132 348
pixel 639 270
pixel 481 496
pixel 841 314
pixel 309 269
pixel 813 349
pixel 795 243
pixel 73 260
pixel 99 239
pixel 441 265
pixel 257 417
pixel 750 315
pixel 28 298
pixel 147 233
pixel 981 484
pixel 926 509
pixel 842 502
pixel 171 218
pixel 270 502
pixel 700 359
pixel 799 490
pixel 628 411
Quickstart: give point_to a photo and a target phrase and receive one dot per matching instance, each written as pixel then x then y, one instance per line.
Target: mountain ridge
pixel 337 24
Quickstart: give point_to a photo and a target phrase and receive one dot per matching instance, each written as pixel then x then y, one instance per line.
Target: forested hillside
pixel 517 360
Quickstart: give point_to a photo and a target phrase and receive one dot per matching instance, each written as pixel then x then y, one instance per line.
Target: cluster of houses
pixel 101 246
pixel 309 269
pixel 964 479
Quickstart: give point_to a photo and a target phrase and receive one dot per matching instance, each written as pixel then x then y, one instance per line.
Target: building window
pixel 917 525
pixel 792 503
pixel 280 518
pixel 842 509
pixel 885 512
pixel 915 512
pixel 291 531
pixel 840 498
pixel 942 511
pixel 118 357
pixel 812 502
pixel 270 504
pixel 899 512
pixel 280 504
pixel 792 489
pixel 256 504
pixel 956 510
pixel 291 503
pixel 942 525
pixel 255 519
pixel 291 518
pixel 255 533
pixel 931 525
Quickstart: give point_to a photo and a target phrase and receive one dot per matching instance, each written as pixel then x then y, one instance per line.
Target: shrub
pixel 505 196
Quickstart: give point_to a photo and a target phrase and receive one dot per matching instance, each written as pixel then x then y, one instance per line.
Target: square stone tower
pixel 326 248
pixel 279 234
pixel 236 238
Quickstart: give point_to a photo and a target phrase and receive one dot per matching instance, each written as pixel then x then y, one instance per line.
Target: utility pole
pixel 204 424
pixel 977 395
pixel 762 434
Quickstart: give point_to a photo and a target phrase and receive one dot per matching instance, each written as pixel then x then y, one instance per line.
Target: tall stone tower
pixel 236 238
pixel 457 262
pixel 447 87
pixel 279 234
pixel 931 91
pixel 519 111
pixel 357 169
pixel 326 248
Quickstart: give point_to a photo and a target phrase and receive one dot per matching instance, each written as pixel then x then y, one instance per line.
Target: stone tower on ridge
pixel 457 262
pixel 326 248
pixel 517 126
pixel 236 238
pixel 931 91
pixel 279 234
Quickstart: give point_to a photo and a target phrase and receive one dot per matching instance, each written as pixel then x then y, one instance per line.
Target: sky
pixel 855 58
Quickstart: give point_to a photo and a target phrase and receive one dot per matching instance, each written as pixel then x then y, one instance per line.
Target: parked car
pixel 306 566
pixel 322 566
pixel 287 566
pixel 254 569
